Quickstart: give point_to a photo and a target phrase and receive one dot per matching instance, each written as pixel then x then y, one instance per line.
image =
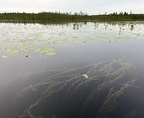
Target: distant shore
pixel 67 17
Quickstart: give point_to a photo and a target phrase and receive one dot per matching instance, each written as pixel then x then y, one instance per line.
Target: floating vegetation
pixel 4 56
pixel 14 52
pixel 73 92
pixel 40 38
pixel 47 51
pixel 26 50
pixel 51 53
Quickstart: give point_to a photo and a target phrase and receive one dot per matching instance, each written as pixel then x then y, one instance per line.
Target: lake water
pixel 80 60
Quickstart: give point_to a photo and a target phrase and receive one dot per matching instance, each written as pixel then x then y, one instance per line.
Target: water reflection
pixel 40 63
pixel 72 92
pixel 17 39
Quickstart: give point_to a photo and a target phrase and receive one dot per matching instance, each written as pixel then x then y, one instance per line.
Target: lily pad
pixel 51 53
pixel 46 50
pixel 13 53
pixel 4 56
pixel 26 50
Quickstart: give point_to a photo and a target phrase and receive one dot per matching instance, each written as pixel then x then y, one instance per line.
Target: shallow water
pixel 34 48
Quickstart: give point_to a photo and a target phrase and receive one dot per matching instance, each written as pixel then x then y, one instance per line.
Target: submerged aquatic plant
pixel 75 91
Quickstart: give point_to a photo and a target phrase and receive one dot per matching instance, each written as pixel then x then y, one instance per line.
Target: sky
pixel 91 7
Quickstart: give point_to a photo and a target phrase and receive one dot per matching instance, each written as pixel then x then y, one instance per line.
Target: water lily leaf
pixel 26 50
pixel 46 50
pixel 51 53
pixel 13 53
pixel 4 56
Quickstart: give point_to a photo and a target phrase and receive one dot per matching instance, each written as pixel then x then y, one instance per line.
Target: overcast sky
pixel 88 6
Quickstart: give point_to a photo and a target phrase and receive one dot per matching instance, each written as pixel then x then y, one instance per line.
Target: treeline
pixel 58 17
pixel 43 16
pixel 125 16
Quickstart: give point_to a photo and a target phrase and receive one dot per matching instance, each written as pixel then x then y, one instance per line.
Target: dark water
pixel 74 70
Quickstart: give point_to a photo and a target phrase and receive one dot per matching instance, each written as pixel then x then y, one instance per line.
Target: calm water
pixel 26 50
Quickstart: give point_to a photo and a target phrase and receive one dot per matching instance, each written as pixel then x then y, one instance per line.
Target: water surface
pixel 30 53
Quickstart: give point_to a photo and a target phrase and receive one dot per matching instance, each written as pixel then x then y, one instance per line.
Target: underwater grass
pixel 82 87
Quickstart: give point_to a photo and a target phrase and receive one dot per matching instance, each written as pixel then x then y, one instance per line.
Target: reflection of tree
pixel 74 90
pixel 43 39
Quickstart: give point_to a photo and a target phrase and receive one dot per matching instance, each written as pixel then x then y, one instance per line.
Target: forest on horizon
pixel 81 16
